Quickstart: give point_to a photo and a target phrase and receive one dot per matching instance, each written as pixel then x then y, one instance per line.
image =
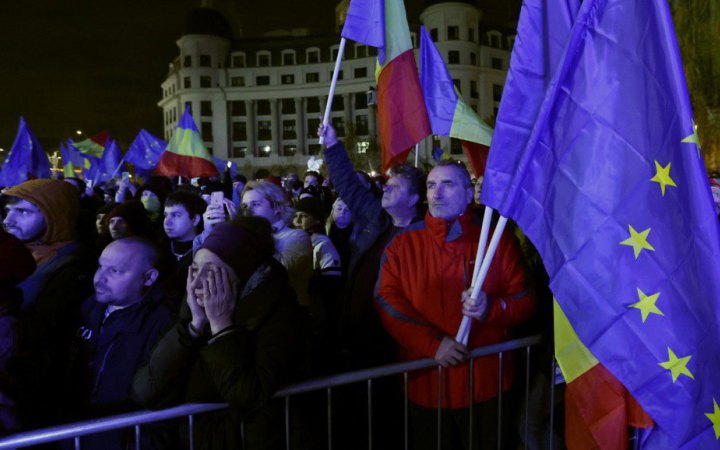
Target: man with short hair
pixel 422 294
pixel 182 223
pixel 118 328
pixel 42 214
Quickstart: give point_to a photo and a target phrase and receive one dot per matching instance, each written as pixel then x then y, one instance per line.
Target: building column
pixel 276 125
pixel 250 127
pixel 300 125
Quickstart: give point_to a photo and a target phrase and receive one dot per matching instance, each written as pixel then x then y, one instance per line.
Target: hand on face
pixel 220 298
pixel 195 302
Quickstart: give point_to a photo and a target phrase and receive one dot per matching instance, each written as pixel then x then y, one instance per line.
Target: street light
pixel 78 132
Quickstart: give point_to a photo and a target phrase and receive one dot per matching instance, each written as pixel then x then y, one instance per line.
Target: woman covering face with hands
pixel 238 340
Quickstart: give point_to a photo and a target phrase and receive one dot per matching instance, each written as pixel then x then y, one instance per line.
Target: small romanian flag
pixel 449 114
pixel 93 146
pixel 186 154
pixel 403 120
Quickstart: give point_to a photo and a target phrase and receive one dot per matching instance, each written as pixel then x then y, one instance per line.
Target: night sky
pixel 97 65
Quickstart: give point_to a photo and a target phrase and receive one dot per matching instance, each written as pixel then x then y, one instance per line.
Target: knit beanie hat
pixel 312 206
pixel 134 214
pixel 243 244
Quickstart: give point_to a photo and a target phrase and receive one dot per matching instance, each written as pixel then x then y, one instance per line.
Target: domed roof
pixel 208 21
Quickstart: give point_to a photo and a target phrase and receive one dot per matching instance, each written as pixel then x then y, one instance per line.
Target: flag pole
pixel 331 94
pixel 417 154
pixel 464 329
pixel 122 160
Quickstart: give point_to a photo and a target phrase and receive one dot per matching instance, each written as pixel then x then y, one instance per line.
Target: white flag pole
pixel 464 330
pixel 417 154
pixel 336 71
pixel 118 167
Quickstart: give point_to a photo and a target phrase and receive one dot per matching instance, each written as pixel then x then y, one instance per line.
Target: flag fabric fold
pixel 449 115
pixel 71 159
pixel 186 154
pixel 26 159
pixel 402 117
pixel 592 158
pixel 106 167
pixel 145 151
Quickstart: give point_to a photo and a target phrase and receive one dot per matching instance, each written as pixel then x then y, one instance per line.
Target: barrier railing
pixel 135 419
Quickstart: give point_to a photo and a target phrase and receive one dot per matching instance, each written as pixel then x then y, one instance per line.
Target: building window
pixel 174 116
pixel 453 33
pixel 188 106
pixel 312 127
pixel 264 130
pixel 238 60
pixel 288 57
pixel 262 80
pixel 453 57
pixel 205 61
pixel 496 63
pixel 334 52
pixel 263 59
pixel 288 106
pixel 457 84
pixel 338 103
pixel 361 125
pixel 237 81
pixel 187 61
pixel 473 58
pixel 313 55
pixel 287 79
pixel 434 34
pixel 360 51
pixel 313 105
pixel 360 72
pixel 497 92
pixel 206 130
pixel 289 130
pixel 263 107
pixel 205 81
pixel 340 75
pixel 312 77
pixel 205 108
pixel 186 83
pixel 473 89
pixel 289 150
pixel 495 40
pixel 239 152
pixel 237 108
pixel 361 100
pixel 264 151
pixel 314 149
pixel 239 131
pixel 455 147
pixel 339 124
pixel 471 35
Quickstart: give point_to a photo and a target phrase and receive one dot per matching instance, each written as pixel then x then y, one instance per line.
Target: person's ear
pixel 469 194
pixel 151 277
pixel 413 200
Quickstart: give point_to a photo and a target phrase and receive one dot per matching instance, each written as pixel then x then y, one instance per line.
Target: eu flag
pixel 145 151
pixel 606 179
pixel 107 166
pixel 26 160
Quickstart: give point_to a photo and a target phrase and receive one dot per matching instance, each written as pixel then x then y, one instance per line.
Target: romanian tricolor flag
pixel 186 154
pixel 402 117
pixel 93 146
pixel 449 114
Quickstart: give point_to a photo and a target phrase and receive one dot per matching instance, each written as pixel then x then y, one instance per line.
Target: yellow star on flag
pixel 662 177
pixel 638 241
pixel 677 366
pixel 646 305
pixel 715 419
pixel 693 138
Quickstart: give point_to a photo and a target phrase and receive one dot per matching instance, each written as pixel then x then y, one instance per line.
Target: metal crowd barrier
pixel 135 419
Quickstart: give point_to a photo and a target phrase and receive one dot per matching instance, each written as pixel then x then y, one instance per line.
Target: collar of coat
pixel 448 230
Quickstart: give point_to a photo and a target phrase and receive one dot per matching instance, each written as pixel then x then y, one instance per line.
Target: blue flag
pixel 604 176
pixel 365 22
pixel 145 151
pixel 107 166
pixel 222 164
pixel 26 160
pixel 71 155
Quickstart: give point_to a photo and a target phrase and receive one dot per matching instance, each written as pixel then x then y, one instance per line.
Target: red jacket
pixel 423 273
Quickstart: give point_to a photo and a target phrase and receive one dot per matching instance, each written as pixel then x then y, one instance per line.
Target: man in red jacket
pixel 422 294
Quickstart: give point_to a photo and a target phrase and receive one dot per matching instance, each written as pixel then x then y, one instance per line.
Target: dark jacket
pixel 243 367
pixel 104 357
pixel 369 218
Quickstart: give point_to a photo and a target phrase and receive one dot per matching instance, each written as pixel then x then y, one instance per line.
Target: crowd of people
pixel 125 296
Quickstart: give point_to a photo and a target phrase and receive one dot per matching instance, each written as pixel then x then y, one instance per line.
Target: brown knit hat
pixel 243 244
